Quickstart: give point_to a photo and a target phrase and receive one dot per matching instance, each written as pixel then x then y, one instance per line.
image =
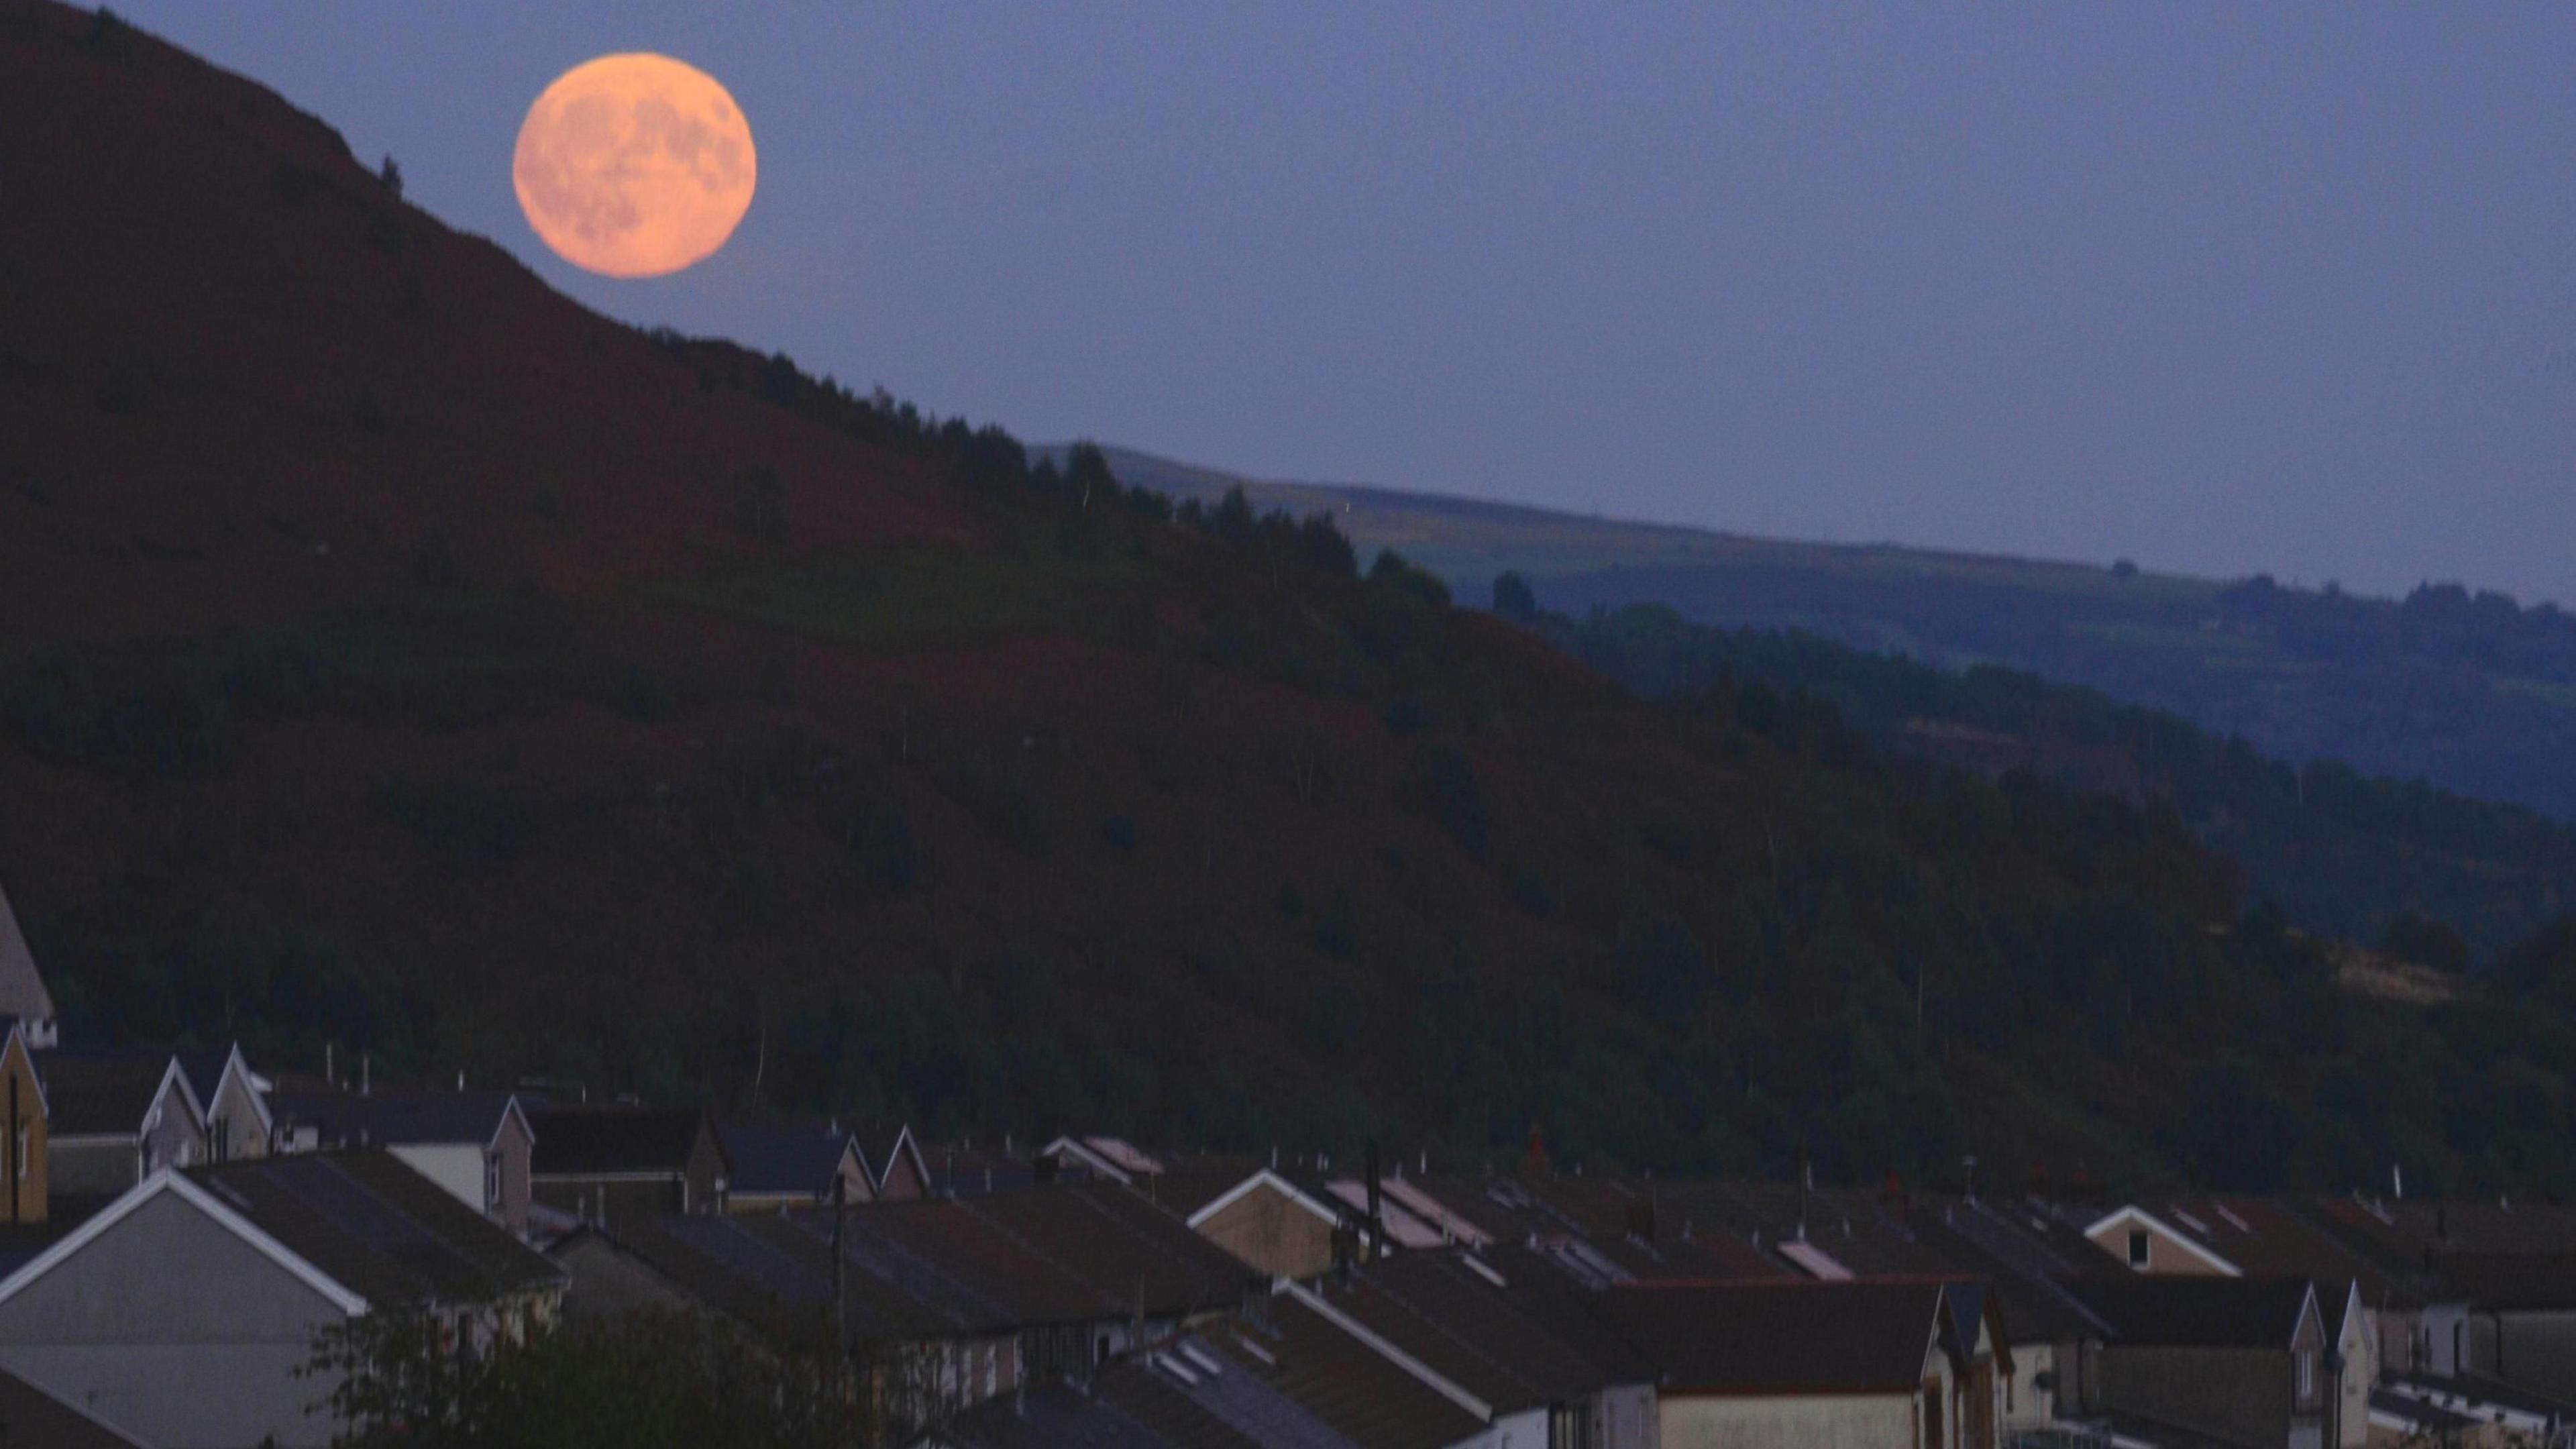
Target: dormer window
pixel 2138 1248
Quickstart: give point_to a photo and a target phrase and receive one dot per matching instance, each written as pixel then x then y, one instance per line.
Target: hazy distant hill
pixel 2468 692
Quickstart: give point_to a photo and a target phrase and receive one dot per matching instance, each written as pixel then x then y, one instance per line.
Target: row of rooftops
pixel 2394 1254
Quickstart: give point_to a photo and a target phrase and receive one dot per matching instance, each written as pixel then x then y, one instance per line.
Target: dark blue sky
pixel 2224 289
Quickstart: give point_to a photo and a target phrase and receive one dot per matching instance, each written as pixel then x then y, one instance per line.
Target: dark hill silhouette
pixel 239 362
pixel 450 675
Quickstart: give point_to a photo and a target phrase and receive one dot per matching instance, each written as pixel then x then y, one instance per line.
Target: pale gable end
pixel 2149 1244
pixel 166 1297
pixel 1270 1224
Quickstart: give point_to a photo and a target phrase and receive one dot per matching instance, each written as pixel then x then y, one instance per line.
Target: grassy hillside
pixel 397 657
pixel 2471 693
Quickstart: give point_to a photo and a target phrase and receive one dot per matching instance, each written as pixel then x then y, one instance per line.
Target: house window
pixel 2307 1377
pixel 491 1181
pixel 2137 1247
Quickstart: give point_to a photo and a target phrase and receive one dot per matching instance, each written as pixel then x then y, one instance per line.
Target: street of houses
pixel 181 1225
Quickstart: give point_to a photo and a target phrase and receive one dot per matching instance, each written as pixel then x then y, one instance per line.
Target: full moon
pixel 634 165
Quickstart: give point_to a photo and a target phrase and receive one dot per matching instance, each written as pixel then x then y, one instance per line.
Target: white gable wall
pixel 238 1109
pixel 454 1166
pixel 173 1328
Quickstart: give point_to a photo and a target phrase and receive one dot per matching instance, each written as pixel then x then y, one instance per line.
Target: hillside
pixel 2472 693
pixel 396 656
pixel 2341 852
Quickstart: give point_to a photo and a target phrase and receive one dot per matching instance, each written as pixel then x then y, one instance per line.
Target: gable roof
pixel 2198 1312
pixel 22 986
pixel 1340 1379
pixel 376 1226
pixel 783 1158
pixel 2028 1266
pixel 1114 1158
pixel 1783 1338
pixel 947 1268
pixel 2135 1218
pixel 205 1070
pixel 401 1119
pixel 14 1039
pixel 880 1157
pixel 168 1181
pixel 1260 1179
pixel 610 1141
pixel 108 1094
pixel 1182 1394
pixel 1510 1332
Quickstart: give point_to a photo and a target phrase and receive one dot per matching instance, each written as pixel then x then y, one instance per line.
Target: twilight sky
pixel 2221 288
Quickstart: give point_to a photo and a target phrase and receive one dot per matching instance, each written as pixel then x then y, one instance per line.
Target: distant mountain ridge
pixel 2470 692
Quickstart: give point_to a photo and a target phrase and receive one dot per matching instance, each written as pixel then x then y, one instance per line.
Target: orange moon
pixel 634 165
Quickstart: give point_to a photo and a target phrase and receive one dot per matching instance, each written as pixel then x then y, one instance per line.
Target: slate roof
pixel 2270 1238
pixel 100 1094
pixel 379 1228
pixel 575 1143
pixel 1344 1384
pixel 1050 1416
pixel 2195 1312
pixel 959 1170
pixel 1180 1396
pixel 740 1267
pixel 952 1268
pixel 1590 1228
pixel 22 986
pixel 30 1418
pixel 394 1119
pixel 1531 1338
pixel 1797 1338
pixel 2028 1273
pixel 767 1158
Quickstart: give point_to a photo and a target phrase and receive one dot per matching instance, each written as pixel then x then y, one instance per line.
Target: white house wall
pixel 2032 1406
pixel 1707 1422
pixel 455 1167
pixel 235 1107
pixel 1628 1418
pixel 175 1330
